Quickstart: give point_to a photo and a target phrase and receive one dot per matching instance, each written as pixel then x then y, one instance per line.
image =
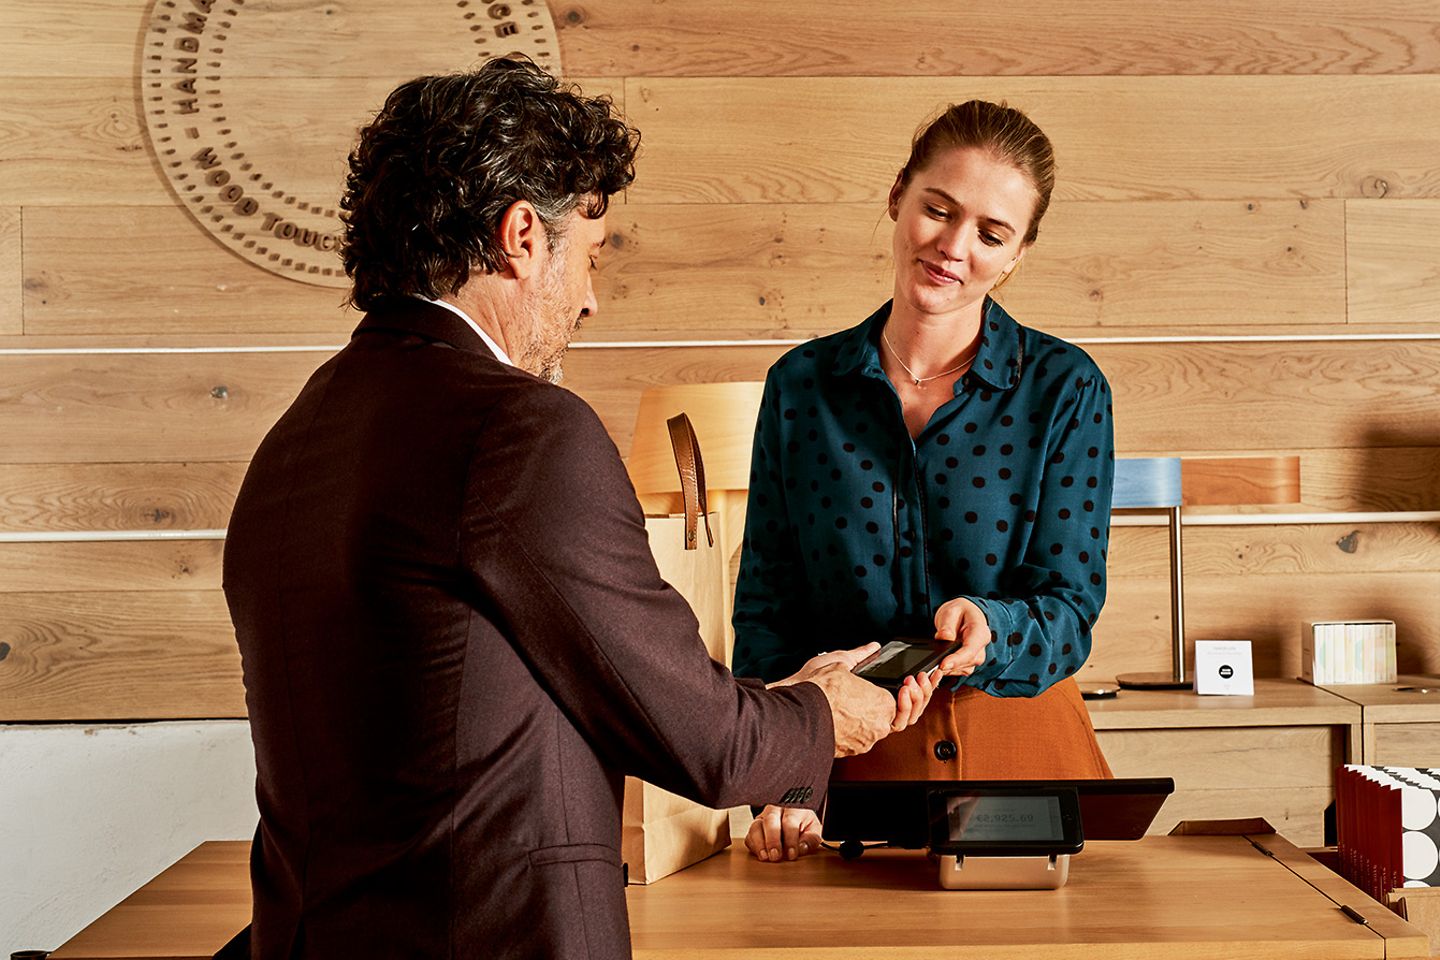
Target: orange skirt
pixel 970 735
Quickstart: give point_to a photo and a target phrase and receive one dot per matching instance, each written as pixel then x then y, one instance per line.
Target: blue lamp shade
pixel 1146 482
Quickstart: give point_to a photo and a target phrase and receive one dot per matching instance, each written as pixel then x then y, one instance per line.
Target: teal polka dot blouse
pixel 856 533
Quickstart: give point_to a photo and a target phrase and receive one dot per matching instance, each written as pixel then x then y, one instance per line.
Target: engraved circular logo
pixel 252 107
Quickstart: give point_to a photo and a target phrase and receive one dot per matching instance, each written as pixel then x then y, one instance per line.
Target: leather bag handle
pixel 692 479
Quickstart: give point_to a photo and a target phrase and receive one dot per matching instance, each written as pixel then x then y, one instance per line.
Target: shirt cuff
pixel 998 616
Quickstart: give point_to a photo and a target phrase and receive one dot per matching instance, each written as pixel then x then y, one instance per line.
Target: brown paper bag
pixel 661 832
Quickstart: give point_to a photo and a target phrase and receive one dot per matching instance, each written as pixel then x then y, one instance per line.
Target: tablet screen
pixel 1005 821
pixel 999 819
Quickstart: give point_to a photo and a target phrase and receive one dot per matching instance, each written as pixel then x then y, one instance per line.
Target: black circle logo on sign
pixel 1226 671
pixel 252 108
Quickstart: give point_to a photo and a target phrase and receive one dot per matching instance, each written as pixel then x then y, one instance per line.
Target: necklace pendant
pixel 917 381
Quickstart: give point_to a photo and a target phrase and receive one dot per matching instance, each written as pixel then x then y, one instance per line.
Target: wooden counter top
pixel 1198 897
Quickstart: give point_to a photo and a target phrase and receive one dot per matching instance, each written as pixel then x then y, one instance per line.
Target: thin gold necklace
pixel 921 381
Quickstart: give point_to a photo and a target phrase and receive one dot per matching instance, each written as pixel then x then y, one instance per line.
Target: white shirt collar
pixel 500 355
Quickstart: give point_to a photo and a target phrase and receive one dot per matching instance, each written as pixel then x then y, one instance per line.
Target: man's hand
pixel 849 659
pixel 964 619
pixel 783 833
pixel 910 700
pixel 862 712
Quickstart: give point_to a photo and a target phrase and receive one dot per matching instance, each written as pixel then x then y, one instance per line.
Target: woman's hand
pixel 963 619
pixel 912 698
pixel 783 833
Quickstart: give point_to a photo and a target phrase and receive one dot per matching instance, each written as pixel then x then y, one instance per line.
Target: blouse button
pixel 945 750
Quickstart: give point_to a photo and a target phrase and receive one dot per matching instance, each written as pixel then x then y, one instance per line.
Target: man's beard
pixel 545 352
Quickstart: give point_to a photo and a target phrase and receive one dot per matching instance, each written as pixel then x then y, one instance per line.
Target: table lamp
pixel 1151 483
pixel 1169 483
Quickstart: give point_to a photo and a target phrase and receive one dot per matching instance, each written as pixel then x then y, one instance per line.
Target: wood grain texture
pixel 1133 632
pixel 1406 745
pixel 1276 703
pixel 158 342
pixel 1354 478
pixel 1193 265
pixel 118 656
pixel 1171 398
pixel 300 130
pixel 69 38
pixel 841 37
pixel 612 380
pixel 140 496
pixel 1201 897
pixel 48 497
pixel 74 140
pixel 852 37
pixel 1280 773
pixel 1414 699
pixel 1402 938
pixel 152 270
pixel 1315 336
pixel 1244 551
pixel 795 270
pixel 143 409
pixel 742 270
pixel 1223 138
pixel 1241 481
pixel 1268 397
pixel 128 567
pixel 1345 479
pixel 81 140
pixel 732 271
pixel 11 273
pixel 1393 260
pixel 74 38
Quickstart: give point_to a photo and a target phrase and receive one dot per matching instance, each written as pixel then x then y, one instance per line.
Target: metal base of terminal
pixel 1004 873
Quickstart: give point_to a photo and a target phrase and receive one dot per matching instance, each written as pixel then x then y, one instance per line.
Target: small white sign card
pixel 1223 667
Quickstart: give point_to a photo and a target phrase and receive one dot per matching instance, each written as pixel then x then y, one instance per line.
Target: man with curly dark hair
pixel 458 174
pixel 455 640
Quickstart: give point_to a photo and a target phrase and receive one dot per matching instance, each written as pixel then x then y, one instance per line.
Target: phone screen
pixel 897 660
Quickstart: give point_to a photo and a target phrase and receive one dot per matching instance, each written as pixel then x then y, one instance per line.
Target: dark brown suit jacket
pixel 455 642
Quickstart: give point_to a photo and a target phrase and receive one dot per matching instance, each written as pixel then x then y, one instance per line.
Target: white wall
pixel 89 813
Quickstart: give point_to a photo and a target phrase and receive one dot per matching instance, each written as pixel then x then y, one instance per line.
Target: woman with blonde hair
pixel 941 470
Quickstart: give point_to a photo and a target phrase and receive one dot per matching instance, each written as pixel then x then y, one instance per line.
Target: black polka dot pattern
pixel 854 534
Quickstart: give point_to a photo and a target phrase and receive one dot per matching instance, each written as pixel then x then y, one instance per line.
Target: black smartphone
pixel 904 657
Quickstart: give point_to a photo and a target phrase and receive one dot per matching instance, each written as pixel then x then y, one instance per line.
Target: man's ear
pixel 522 237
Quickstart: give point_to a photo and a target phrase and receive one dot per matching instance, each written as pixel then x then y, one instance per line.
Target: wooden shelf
pixel 1271 755
pixel 1282 703
pixel 1384 703
pixel 1398 727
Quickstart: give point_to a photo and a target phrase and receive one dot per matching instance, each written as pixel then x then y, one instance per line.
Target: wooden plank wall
pixel 1245 233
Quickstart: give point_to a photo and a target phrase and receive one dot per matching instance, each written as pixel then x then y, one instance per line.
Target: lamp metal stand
pixel 1176 679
